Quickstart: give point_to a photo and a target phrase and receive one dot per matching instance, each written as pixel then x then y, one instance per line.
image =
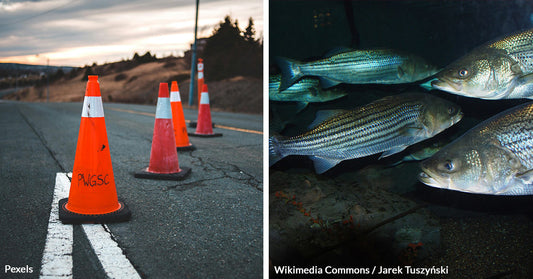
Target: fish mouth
pixel 429 179
pixel 445 84
pixel 457 117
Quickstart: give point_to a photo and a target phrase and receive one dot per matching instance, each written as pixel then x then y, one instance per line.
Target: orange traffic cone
pixel 204 127
pixel 93 195
pixel 200 84
pixel 178 119
pixel 163 156
pixel 200 81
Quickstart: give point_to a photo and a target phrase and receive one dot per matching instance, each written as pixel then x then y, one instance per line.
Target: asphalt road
pixel 206 226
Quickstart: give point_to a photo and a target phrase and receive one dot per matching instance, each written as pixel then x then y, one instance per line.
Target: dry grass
pixel 141 85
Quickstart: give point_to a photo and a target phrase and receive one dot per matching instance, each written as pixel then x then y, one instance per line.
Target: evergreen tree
pixel 249 33
pixel 230 52
pixel 146 58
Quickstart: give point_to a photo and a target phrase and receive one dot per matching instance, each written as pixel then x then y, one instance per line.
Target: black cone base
pixel 144 173
pixel 194 124
pixel 68 217
pixel 186 148
pixel 205 135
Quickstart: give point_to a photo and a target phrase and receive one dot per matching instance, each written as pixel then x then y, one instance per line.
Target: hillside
pixel 9 69
pixel 127 83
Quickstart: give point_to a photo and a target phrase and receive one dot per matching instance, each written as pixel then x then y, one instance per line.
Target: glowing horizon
pixel 78 33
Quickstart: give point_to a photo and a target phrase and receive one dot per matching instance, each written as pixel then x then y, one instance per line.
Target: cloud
pixel 79 32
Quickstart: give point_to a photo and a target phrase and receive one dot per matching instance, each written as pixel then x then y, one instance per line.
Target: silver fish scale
pixel 520 47
pixel 368 66
pixel 515 132
pixel 361 132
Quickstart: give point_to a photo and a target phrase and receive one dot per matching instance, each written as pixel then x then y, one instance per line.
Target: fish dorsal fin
pixel 337 50
pixel 323 164
pixel 323 115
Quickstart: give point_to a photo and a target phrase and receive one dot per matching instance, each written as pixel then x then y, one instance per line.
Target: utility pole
pixel 193 59
pixel 47 82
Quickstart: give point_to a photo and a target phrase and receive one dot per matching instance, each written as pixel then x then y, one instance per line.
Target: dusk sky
pixel 81 32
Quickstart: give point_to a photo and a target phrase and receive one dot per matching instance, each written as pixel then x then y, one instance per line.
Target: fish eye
pixel 451 110
pixel 463 72
pixel 448 165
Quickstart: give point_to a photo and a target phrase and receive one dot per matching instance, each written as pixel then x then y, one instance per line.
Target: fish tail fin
pixel 290 72
pixel 274 152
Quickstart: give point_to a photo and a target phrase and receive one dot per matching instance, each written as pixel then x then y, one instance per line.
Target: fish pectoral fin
pixel 323 115
pixel 515 68
pixel 323 164
pixel 521 86
pixel 525 177
pixel 327 83
pixel 401 72
pixel 525 79
pixel 300 106
pixel 410 131
pixel 392 151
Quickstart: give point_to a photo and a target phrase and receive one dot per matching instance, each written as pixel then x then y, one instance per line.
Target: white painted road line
pixel 113 260
pixel 57 255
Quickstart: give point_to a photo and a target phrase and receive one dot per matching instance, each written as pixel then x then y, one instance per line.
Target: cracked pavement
pixel 206 226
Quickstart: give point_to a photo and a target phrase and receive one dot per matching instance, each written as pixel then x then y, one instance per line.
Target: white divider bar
pixel 112 258
pixel 57 255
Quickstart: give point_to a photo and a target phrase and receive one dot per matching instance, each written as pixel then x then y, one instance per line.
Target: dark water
pixel 475 236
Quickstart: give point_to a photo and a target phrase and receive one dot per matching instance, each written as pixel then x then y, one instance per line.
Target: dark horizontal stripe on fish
pixel 376 136
pixel 367 119
pixel 349 62
pixel 383 127
pixel 370 146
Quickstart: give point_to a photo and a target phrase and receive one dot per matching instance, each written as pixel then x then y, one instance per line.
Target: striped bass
pixel 378 66
pixel 495 157
pixel 387 125
pixel 304 91
pixel 499 70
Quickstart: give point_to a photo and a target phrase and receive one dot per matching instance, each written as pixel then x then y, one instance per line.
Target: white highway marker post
pixel 57 256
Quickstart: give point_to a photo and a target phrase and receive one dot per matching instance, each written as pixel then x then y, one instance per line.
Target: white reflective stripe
pixel 200 75
pixel 200 66
pixel 92 107
pixel 175 96
pixel 204 100
pixel 57 254
pixel 111 256
pixel 163 109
